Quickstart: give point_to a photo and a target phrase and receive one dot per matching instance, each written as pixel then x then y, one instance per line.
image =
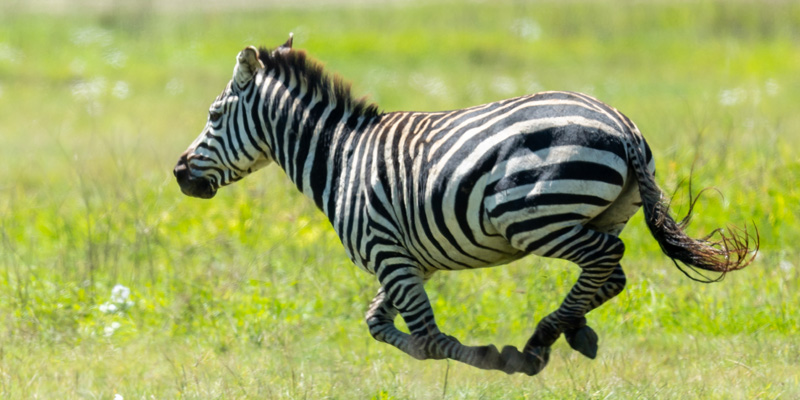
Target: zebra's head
pixel 227 149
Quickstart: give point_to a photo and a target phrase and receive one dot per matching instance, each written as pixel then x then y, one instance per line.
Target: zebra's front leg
pixel 403 291
pixel 380 320
pixel 601 278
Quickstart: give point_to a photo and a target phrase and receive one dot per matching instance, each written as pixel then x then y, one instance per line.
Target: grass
pixel 251 296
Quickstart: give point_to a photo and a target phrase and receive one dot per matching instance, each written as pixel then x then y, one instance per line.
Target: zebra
pixel 555 174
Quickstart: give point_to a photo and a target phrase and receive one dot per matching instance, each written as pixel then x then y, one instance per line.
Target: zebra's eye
pixel 214 116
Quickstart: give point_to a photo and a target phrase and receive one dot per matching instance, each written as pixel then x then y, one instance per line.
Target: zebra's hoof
pixel 536 359
pixel 584 340
pixel 511 360
pixel 487 357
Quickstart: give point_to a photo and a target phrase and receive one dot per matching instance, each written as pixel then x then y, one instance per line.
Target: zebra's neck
pixel 311 125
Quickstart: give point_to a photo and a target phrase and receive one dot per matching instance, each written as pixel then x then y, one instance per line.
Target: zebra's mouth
pixel 200 188
pixel 193 186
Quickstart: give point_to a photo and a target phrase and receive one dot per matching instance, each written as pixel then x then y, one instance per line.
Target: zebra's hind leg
pixel 598 255
pixel 403 291
pixel 582 338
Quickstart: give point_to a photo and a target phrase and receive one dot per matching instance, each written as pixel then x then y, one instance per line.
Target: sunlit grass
pixel 250 295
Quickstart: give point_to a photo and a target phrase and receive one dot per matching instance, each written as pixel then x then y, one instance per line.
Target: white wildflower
pixel 120 90
pixel 534 87
pixel 174 87
pixel 772 87
pixel 120 300
pixel 115 58
pixel 527 29
pixel 92 35
pixel 89 89
pixel 110 329
pixel 9 54
pixel 77 66
pixel 120 293
pixel 732 97
pixel 504 85
pixel 431 85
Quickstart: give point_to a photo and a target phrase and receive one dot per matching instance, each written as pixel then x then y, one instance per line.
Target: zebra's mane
pixel 312 72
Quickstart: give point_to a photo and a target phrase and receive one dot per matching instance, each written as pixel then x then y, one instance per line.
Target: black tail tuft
pixel 720 251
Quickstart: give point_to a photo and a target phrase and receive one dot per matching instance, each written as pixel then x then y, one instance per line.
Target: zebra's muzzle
pixel 190 185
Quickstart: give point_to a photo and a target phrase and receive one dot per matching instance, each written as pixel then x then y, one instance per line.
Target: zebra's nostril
pixel 181 171
pixel 181 168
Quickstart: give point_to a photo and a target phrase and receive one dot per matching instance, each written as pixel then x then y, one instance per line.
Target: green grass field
pixel 250 295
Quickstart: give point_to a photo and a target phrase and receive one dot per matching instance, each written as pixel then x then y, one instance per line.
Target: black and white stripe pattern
pixel 555 174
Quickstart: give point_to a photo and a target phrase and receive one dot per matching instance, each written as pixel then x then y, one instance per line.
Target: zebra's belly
pixel 431 250
pixel 454 260
pixel 463 249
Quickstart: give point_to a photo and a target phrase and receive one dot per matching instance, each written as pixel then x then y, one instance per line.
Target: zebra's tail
pixel 720 251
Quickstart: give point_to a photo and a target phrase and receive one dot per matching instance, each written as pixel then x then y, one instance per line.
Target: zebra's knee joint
pixel 378 327
pixel 616 283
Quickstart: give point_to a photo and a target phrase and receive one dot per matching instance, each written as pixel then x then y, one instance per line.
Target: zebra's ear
pixel 286 47
pixel 247 64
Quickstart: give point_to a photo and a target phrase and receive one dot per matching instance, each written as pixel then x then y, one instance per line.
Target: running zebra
pixel 556 174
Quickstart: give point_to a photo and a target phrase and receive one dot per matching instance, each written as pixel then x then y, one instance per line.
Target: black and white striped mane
pixel 312 73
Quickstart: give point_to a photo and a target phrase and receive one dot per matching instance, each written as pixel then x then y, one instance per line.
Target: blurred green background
pixel 250 295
